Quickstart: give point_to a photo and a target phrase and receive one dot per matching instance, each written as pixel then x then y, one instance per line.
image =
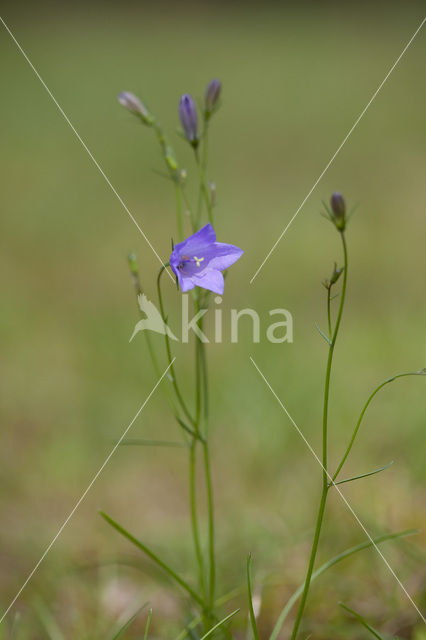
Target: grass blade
pixel 148 622
pixel 155 558
pixel 219 624
pixel 364 475
pixel 362 621
pixel 127 624
pixel 47 620
pixel 341 556
pixel 250 598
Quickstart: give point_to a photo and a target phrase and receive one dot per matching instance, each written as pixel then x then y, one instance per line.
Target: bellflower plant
pixel 197 262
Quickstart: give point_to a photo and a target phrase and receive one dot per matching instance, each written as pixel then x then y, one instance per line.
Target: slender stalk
pixel 203 187
pixel 168 350
pixel 364 409
pixel 203 168
pixel 194 516
pixel 329 311
pixel 207 470
pixel 178 193
pixel 210 508
pixel 325 487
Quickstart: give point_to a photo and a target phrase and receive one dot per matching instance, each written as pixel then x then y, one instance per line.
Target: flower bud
pixel 336 274
pixel 338 208
pixel 132 103
pixel 188 118
pixel 211 97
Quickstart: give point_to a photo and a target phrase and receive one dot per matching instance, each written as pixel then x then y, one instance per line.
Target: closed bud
pixel 336 274
pixel 132 103
pixel 338 208
pixel 211 97
pixel 189 119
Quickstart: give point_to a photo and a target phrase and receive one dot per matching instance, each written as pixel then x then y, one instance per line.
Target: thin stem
pixel 364 409
pixel 203 187
pixel 210 508
pixel 207 470
pixel 194 516
pixel 178 192
pixel 330 359
pixel 203 166
pixel 324 492
pixel 168 350
pixel 329 311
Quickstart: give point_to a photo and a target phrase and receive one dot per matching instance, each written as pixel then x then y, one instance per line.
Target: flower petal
pixel 211 279
pixel 198 242
pixel 185 283
pixel 223 255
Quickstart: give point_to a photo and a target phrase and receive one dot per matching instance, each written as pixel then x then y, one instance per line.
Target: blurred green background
pixel 295 78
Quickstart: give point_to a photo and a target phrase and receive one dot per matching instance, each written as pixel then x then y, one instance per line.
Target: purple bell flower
pixel 199 260
pixel 188 118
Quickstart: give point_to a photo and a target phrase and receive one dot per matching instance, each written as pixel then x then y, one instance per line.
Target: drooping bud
pixel 132 103
pixel 211 97
pixel 338 208
pixel 188 118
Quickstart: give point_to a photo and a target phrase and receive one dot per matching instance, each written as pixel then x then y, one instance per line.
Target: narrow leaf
pixel 154 557
pixel 326 338
pixel 362 621
pixel 148 622
pixel 250 598
pixel 364 475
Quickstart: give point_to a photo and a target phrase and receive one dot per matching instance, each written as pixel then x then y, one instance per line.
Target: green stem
pixel 329 311
pixel 361 416
pixel 178 192
pixel 204 190
pixel 168 350
pixel 210 508
pixel 207 469
pixel 324 492
pixel 194 516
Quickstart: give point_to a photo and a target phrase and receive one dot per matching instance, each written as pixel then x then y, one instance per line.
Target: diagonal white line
pixel 84 145
pixel 339 491
pixel 80 500
pixel 339 148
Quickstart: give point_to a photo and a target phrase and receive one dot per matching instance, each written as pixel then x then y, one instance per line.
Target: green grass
pixel 294 82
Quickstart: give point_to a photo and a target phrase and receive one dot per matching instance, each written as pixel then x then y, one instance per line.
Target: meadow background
pixel 294 80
